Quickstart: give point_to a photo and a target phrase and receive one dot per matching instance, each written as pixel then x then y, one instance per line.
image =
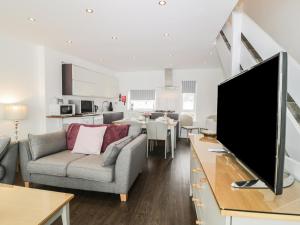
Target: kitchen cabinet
pixel 79 81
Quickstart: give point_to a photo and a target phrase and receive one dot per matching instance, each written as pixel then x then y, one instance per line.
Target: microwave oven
pixel 83 106
pixel 62 109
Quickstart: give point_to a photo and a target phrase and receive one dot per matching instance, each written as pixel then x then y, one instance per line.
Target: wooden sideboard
pixel 217 203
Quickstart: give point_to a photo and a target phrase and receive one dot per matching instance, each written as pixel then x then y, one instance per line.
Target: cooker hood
pixel 168 75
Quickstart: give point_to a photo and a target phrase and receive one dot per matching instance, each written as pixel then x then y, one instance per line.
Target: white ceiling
pixel 140 26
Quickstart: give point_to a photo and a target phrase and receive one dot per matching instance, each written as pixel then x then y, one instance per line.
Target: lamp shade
pixel 15 112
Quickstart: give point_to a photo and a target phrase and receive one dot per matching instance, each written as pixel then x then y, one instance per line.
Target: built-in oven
pixel 83 106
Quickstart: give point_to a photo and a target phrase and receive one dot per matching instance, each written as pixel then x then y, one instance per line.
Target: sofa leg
pixel 123 197
pixel 27 184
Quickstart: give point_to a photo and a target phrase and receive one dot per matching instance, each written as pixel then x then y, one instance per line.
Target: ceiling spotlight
pixel 89 10
pixel 114 37
pixel 69 41
pixel 31 19
pixel 162 2
pixel 166 34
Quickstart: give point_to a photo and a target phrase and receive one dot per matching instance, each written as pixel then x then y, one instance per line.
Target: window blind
pixel 142 94
pixel 188 86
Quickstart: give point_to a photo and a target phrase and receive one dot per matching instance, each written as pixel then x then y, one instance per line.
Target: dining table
pixel 171 127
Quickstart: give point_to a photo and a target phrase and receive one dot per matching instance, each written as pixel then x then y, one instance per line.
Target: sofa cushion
pixel 46 144
pixel 4 143
pixel 114 133
pixel 135 130
pixel 89 140
pixel 112 151
pixel 72 133
pixel 90 168
pixel 2 172
pixel 55 165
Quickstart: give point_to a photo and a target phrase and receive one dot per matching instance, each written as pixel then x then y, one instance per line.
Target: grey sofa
pixel 8 160
pixel 79 171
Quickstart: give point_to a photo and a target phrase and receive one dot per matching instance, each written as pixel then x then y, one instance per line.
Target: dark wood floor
pixel 160 196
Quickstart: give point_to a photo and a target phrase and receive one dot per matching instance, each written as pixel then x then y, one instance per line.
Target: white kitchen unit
pixel 79 81
pixel 217 203
pixel 61 122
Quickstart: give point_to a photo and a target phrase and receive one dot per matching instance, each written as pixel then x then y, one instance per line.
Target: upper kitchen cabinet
pixel 79 81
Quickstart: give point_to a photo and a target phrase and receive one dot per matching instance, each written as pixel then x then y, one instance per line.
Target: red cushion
pixel 114 133
pixel 72 133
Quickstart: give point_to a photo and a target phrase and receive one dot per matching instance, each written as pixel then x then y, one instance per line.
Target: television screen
pixel 251 119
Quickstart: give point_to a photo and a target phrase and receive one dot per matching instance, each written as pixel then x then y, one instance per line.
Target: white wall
pixel 207 81
pixel 53 80
pixel 21 82
pixel 31 74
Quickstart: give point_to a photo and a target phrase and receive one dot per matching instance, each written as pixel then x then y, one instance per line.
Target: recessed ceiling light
pixel 162 2
pixel 31 19
pixel 89 10
pixel 114 37
pixel 69 41
pixel 166 34
pixel 171 55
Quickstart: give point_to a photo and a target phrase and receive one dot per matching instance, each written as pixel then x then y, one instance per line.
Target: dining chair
pixel 186 122
pixel 157 130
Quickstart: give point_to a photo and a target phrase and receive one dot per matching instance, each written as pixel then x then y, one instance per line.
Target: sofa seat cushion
pixel 55 165
pixel 2 172
pixel 90 168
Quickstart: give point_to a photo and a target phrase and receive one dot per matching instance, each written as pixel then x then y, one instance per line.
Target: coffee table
pixel 28 206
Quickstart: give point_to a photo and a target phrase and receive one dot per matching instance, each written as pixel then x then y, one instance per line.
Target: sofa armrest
pixel 130 163
pixel 9 162
pixel 25 157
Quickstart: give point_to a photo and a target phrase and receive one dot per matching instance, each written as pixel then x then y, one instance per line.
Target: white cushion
pixel 89 140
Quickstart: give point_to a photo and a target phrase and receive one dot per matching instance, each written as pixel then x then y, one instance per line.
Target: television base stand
pixel 218 150
pixel 258 184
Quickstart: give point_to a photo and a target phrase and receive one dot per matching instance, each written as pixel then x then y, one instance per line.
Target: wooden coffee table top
pixel 28 206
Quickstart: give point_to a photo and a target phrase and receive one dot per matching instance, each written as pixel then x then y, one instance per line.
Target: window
pixel 142 105
pixel 188 102
pixel 142 100
pixel 189 97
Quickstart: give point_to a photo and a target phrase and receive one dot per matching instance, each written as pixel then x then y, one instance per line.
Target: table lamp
pixel 15 112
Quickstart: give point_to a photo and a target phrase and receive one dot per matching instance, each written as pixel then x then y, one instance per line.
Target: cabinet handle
pixel 199 222
pixel 195 199
pixel 196 170
pixel 203 180
pixel 196 186
pixel 199 205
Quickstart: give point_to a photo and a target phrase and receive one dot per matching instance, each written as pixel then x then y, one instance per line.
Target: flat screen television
pixel 251 118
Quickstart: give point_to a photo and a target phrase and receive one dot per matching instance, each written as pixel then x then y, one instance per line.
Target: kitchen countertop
pixel 78 115
pixel 68 116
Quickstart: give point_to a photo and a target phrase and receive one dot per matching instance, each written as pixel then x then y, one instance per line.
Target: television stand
pixel 258 184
